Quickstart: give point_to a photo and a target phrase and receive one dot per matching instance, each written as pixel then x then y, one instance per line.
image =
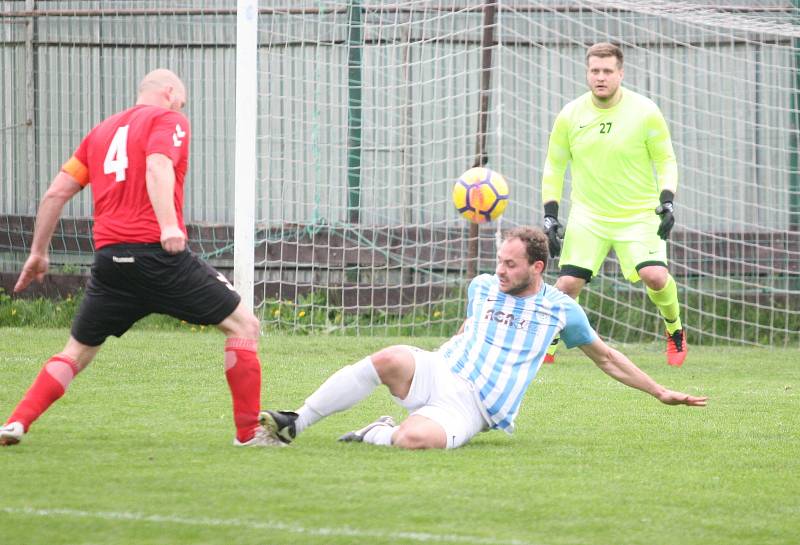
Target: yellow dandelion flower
pixel 302 313
pixel 276 313
pixel 437 314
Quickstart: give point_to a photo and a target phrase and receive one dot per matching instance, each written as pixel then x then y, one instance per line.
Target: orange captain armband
pixel 77 170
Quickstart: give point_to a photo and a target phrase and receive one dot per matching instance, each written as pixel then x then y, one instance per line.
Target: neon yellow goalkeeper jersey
pixel 613 154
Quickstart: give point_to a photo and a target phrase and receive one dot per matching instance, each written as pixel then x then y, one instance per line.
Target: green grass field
pixel 139 452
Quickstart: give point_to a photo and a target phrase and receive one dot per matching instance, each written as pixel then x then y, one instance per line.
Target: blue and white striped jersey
pixel 505 339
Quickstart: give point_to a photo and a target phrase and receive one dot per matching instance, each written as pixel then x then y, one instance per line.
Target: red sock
pixel 50 384
pixel 243 371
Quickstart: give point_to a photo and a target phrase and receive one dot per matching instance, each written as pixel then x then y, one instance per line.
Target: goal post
pixel 245 153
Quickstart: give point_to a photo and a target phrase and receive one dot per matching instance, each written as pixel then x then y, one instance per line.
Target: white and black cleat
pixel 357 436
pixel 280 424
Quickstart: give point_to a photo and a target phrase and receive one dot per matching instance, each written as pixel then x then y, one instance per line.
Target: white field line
pixel 344 531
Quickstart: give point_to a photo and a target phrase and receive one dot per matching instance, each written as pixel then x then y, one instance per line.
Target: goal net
pixel 369 111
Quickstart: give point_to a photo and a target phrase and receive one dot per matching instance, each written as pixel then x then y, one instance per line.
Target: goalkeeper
pixel 624 178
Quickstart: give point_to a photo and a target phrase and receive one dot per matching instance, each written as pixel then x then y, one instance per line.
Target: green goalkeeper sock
pixel 666 299
pixel 551 350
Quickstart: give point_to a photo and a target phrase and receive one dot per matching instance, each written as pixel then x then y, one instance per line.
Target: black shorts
pixel 130 281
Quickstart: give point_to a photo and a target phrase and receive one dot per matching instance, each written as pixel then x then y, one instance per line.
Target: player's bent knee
pixel 654 277
pixel 390 358
pixel 241 323
pixel 249 328
pixel 252 327
pixel 81 353
pixel 382 358
pixel 570 285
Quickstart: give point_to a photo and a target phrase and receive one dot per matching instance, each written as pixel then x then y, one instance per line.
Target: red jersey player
pixel 135 162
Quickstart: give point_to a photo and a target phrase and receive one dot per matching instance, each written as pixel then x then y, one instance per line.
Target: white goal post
pixel 245 154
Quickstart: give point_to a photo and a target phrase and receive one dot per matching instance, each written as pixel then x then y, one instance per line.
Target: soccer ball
pixel 480 195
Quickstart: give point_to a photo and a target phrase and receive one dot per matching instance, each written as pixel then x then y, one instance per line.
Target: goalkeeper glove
pixel 552 228
pixel 665 210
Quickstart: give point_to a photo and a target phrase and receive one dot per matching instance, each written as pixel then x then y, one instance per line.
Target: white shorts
pixel 444 397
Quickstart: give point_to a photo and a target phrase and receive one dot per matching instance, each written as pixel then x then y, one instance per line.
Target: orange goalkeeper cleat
pixel 550 355
pixel 676 348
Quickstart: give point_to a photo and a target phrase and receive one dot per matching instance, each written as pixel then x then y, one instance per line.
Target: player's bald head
pixel 159 79
pixel 162 85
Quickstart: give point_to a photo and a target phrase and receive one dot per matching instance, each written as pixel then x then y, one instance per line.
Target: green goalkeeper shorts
pixel 588 240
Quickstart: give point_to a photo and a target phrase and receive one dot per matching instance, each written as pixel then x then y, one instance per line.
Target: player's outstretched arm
pixel 615 364
pixel 61 190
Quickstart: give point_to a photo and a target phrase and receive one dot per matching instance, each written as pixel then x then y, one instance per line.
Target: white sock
pixel 380 435
pixel 305 417
pixel 340 391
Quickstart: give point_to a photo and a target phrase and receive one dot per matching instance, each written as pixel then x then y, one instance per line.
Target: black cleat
pixel 280 424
